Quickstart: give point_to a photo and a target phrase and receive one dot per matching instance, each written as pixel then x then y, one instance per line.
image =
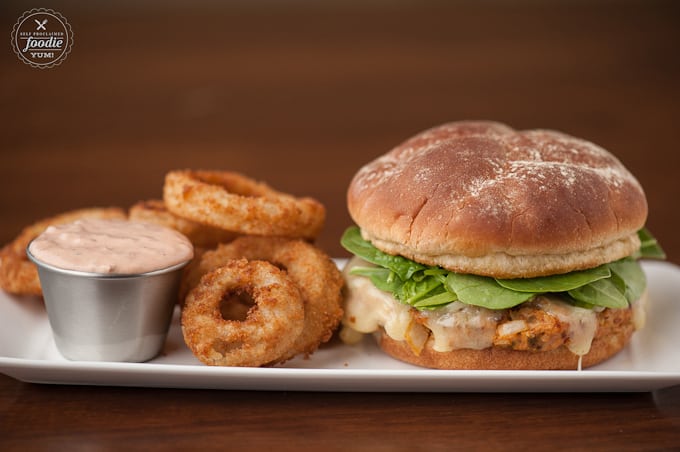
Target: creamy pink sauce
pixel 111 246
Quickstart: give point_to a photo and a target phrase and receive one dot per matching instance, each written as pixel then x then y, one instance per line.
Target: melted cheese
pixel 367 308
pixel 582 322
pixel 460 325
pixel 639 308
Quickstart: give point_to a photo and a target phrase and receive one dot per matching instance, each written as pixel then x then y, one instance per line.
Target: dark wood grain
pixel 301 96
pixel 101 418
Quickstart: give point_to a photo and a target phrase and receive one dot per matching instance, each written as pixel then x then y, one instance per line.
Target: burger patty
pixel 528 327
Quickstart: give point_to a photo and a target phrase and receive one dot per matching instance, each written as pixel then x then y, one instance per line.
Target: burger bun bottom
pixel 497 358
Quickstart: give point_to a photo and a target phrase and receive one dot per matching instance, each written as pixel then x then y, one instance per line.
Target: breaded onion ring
pixel 269 329
pixel 200 235
pixel 237 203
pixel 18 275
pixel 318 278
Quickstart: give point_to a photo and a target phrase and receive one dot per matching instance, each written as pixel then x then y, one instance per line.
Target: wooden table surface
pixel 301 95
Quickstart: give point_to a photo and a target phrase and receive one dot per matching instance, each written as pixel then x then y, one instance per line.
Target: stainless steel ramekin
pixel 109 317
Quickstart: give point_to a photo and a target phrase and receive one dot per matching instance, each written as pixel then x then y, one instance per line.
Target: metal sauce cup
pixel 109 317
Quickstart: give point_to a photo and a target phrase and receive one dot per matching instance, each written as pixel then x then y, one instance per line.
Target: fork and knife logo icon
pixel 42 38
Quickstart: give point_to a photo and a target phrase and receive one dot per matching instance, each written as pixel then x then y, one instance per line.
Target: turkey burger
pixel 481 247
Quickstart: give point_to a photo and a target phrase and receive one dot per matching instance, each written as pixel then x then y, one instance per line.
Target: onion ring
pixel 18 275
pixel 200 235
pixel 270 327
pixel 318 278
pixel 237 203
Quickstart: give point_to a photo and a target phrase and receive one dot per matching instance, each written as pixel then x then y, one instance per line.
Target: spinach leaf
pixel 425 292
pixel 556 283
pixel 353 242
pixel 436 300
pixel 485 292
pixel 382 278
pixel 633 276
pixel 603 292
pixel 649 246
pixel 414 290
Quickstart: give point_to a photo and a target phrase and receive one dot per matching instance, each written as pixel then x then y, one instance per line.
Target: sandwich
pixel 477 246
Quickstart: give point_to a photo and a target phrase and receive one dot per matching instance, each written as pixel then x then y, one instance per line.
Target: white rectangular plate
pixel 651 361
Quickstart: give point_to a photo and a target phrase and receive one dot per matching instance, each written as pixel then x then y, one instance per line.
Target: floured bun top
pixel 479 197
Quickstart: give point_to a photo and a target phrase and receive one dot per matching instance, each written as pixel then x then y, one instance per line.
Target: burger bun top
pixel 480 197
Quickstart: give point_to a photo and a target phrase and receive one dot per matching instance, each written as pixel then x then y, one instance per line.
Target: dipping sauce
pixel 111 247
